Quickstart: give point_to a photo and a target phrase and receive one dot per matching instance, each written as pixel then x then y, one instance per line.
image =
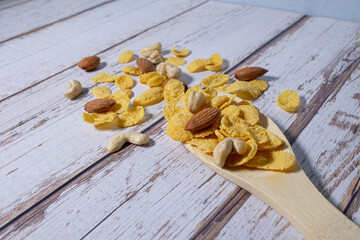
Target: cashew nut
pixel 116 142
pixel 74 89
pixel 156 57
pixel 225 147
pixel 147 51
pixel 168 70
pixel 196 101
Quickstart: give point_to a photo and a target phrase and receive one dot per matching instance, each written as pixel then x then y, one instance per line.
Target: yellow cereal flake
pixel 174 91
pixel 124 82
pixel 180 53
pixel 131 70
pixel 176 127
pixel 216 63
pixel 215 80
pixel 289 100
pixel 263 85
pixel 144 78
pixel 101 92
pixel 219 134
pixel 206 145
pixel 221 102
pixel 170 110
pixel 222 88
pixel 122 101
pixel 99 118
pixel 250 114
pixel 209 92
pixel 198 65
pixel 235 126
pixel 209 130
pixel 245 102
pixel 272 160
pixel 177 61
pixel 104 77
pixel 150 97
pixel 259 134
pixel 244 90
pixel 155 81
pixel 126 56
pixel 131 117
pixel 273 143
pixel 235 160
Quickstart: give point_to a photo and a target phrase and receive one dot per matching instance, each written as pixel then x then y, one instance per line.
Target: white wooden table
pixel 57 179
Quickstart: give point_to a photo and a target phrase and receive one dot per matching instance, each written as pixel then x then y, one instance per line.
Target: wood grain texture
pixel 39 219
pixel 4 4
pixel 33 15
pixel 108 27
pixel 39 123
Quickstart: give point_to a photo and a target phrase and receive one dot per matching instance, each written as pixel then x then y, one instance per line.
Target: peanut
pixel 196 101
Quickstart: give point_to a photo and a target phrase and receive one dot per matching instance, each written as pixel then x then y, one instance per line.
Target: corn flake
pixel 122 101
pixel 273 143
pixel 221 102
pixel 206 145
pixel 124 82
pixel 198 65
pixel 177 61
pixel 155 81
pixel 180 53
pixel 99 118
pixel 215 80
pixel 250 114
pixel 131 70
pixel 126 56
pixel 272 160
pixel 259 134
pixel 216 63
pixel 149 97
pixel 131 117
pixel 101 92
pixel 144 78
pixel 235 126
pixel 104 77
pixel 263 85
pixel 289 100
pixel 231 110
pixel 176 126
pixel 174 91
pixel 170 110
pixel 244 90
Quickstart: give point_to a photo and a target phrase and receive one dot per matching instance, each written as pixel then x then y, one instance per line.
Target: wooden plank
pixel 67 198
pixel 39 14
pixel 68 164
pixel 107 28
pixel 4 4
pixel 329 168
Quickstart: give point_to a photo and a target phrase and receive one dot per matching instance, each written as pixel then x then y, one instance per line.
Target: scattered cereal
pixel 215 80
pixel 198 65
pixel 126 56
pixel 289 100
pixel 101 92
pixel 180 53
pixel 272 160
pixel 124 82
pixel 99 118
pixel 131 117
pixel 104 77
pixel 131 70
pixel 216 63
pixel 149 97
pixel 177 61
pixel 174 91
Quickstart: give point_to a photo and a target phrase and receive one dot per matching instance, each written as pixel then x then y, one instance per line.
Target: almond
pixel 202 119
pixel 166 80
pixel 89 63
pixel 99 105
pixel 144 65
pixel 249 73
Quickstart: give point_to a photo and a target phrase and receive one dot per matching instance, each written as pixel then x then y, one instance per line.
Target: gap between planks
pixel 106 49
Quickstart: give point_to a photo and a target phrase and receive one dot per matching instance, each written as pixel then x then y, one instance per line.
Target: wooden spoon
pixel 290 193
